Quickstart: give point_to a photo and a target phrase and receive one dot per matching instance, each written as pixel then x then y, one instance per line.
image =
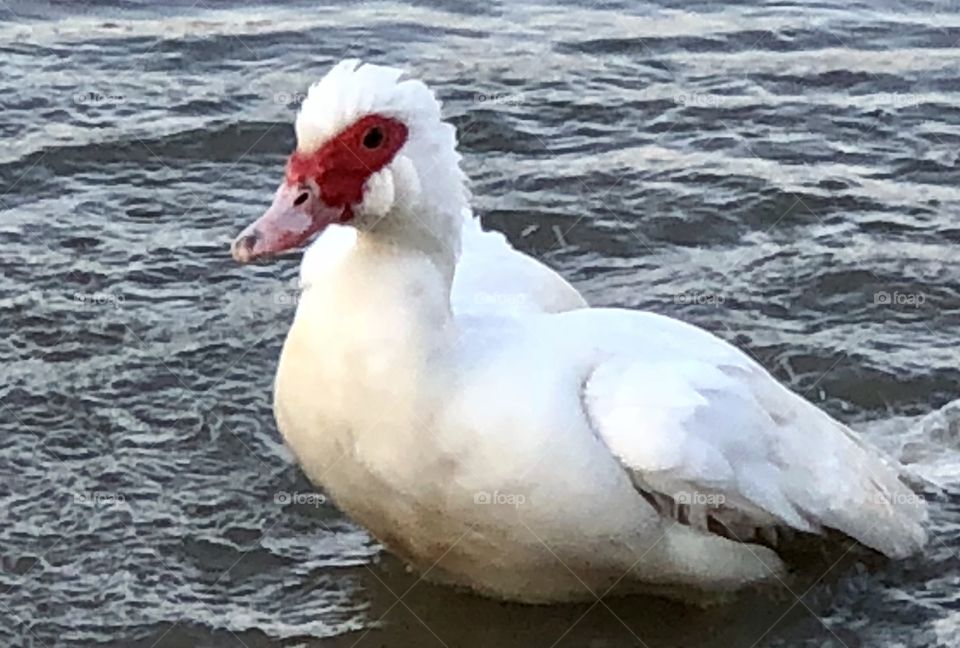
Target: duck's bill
pixel 295 216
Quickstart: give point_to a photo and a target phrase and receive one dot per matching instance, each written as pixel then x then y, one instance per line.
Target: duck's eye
pixel 373 138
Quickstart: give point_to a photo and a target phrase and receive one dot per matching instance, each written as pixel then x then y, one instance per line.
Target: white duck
pixel 529 455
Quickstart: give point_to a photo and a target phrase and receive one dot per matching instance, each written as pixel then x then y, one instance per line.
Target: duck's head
pixel 372 152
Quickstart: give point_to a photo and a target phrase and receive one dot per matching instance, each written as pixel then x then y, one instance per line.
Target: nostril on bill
pixel 243 247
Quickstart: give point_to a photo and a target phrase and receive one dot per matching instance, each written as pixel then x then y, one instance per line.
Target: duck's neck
pixel 432 237
pixel 391 290
pixel 428 208
pixel 399 278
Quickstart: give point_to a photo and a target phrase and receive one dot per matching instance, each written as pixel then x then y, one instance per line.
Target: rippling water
pixel 784 174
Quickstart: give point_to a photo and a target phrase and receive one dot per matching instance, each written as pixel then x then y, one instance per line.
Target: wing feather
pixel 723 434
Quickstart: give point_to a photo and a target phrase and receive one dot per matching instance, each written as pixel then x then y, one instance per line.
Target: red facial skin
pixel 342 166
pixel 322 187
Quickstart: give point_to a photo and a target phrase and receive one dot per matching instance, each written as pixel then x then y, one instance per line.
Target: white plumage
pixel 496 435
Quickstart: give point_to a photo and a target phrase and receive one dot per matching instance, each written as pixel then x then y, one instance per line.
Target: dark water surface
pixel 782 173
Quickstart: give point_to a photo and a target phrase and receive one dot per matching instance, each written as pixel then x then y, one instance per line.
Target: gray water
pixel 782 173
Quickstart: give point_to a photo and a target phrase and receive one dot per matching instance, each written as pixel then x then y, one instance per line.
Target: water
pixel 783 174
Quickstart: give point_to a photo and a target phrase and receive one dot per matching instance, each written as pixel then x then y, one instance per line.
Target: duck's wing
pixel 709 437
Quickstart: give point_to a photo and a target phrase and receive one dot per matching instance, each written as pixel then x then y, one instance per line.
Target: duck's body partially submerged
pixel 496 435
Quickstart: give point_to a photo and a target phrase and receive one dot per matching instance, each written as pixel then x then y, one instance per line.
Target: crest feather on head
pixel 351 90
